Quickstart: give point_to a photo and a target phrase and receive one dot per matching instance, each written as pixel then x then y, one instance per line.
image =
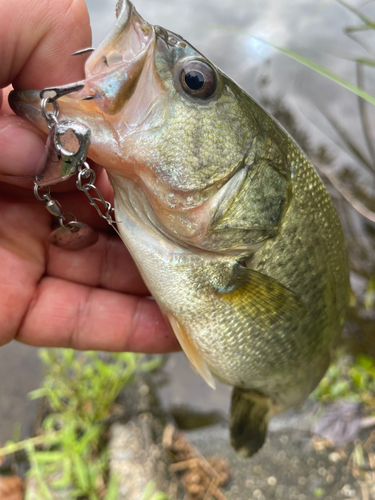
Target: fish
pixel 229 224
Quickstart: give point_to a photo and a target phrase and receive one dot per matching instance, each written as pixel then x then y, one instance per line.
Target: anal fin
pixel 249 416
pixel 191 351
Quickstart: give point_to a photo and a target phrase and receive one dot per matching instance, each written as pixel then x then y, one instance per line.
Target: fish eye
pixel 198 79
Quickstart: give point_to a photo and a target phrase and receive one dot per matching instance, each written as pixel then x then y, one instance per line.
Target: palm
pixel 88 299
pixel 52 296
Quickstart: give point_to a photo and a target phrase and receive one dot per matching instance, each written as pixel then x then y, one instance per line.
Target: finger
pixel 106 264
pixel 5 109
pixel 21 148
pixel 22 262
pixel 66 314
pixel 35 48
pixel 35 44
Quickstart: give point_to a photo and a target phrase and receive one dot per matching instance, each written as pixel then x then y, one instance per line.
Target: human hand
pixel 87 299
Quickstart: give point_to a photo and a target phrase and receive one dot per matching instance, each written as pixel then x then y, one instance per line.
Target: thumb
pixel 35 45
pixel 35 48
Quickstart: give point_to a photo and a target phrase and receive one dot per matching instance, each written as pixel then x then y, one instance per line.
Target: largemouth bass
pixel 227 220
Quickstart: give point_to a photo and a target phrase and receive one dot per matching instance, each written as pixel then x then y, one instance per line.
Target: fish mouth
pixel 119 71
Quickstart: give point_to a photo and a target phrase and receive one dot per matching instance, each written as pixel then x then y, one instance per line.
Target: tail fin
pixel 248 421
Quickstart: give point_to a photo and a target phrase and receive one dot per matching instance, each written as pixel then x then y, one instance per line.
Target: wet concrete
pixel 20 373
pixel 287 468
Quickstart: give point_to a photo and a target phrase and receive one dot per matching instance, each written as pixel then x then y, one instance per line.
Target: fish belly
pixel 233 335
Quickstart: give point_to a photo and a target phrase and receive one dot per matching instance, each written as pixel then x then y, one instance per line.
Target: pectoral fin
pixel 263 299
pixel 190 350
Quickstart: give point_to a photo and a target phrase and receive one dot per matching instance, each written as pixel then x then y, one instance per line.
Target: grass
pixel 351 378
pixel 70 453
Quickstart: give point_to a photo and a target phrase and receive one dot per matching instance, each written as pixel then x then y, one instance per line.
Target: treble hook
pixel 83 51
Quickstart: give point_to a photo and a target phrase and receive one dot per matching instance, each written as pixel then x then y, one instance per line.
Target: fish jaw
pixel 114 69
pixel 119 96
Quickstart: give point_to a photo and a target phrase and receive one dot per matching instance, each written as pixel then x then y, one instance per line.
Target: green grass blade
pixel 362 27
pixel 365 61
pixel 112 492
pixel 324 71
pixel 80 472
pixel 369 22
pixel 309 64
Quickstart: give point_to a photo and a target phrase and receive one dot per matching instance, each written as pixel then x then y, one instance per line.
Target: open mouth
pixel 112 72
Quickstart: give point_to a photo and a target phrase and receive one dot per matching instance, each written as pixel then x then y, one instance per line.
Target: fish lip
pixel 113 70
pixel 131 38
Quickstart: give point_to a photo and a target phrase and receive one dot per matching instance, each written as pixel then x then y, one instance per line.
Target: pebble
pixel 272 481
pixel 322 471
pixel 334 457
pixel 348 491
pixel 284 439
pixel 258 469
pixel 144 390
pixel 330 478
pixel 258 495
pixel 295 462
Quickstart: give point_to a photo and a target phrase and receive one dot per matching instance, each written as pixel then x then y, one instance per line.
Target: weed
pixel 70 454
pixel 350 378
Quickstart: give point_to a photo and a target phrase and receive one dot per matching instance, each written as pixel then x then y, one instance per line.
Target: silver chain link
pixel 51 117
pixel 54 207
pixel 85 181
pixel 87 174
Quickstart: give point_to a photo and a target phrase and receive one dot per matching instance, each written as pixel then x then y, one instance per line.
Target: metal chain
pixel 87 174
pixel 44 193
pixel 54 207
pixel 51 117
pixel 85 181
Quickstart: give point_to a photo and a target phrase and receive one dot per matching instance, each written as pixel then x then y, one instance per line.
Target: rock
pixel 135 448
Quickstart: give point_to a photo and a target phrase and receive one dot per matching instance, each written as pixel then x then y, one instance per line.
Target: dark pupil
pixel 194 80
